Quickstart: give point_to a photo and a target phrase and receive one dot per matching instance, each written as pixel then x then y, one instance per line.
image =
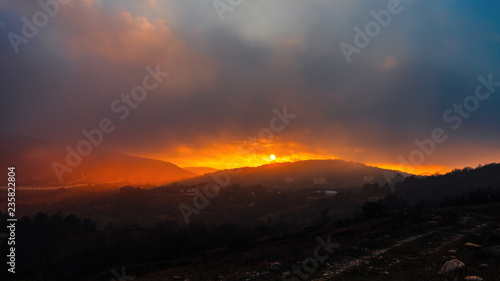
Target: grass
pixel 415 259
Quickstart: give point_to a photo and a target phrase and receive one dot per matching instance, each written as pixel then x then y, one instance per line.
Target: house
pixel 327 192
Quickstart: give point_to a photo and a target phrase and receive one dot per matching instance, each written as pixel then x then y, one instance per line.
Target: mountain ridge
pixel 35 158
pixel 305 173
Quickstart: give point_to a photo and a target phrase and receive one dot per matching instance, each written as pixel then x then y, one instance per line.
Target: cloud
pixel 150 3
pixel 226 77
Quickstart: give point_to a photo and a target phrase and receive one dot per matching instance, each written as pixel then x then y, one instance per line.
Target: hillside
pixel 200 170
pixel 34 159
pixel 459 181
pixel 302 174
pixel 257 233
pixel 407 245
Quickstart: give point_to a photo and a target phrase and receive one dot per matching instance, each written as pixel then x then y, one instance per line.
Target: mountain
pixel 108 166
pixel 35 159
pixel 200 170
pixel 308 173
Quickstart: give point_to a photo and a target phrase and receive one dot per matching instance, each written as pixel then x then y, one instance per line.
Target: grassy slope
pixel 410 245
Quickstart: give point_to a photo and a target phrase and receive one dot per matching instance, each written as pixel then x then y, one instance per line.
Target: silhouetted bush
pixel 57 248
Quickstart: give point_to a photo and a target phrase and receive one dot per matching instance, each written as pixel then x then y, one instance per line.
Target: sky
pixel 247 79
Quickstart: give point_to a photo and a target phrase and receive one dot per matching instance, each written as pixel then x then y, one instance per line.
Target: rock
pixel 472 245
pixel 450 268
pixel 452 252
pixel 483 265
pixel 473 278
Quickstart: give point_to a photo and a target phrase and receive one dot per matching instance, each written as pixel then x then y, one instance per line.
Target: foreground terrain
pixel 406 245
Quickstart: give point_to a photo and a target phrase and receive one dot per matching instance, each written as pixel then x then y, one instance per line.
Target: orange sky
pixel 235 155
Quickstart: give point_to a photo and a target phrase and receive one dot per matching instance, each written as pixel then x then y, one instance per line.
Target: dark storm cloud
pixel 226 77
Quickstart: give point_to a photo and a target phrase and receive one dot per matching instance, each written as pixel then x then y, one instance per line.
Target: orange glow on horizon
pixel 235 155
pixel 239 154
pixel 227 153
pixel 415 170
pixel 238 161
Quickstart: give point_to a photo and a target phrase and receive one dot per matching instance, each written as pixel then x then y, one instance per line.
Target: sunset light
pixel 248 140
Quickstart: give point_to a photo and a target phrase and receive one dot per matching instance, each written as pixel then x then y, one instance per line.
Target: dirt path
pixel 336 269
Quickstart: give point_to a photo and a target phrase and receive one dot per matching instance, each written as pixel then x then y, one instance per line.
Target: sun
pixel 273 157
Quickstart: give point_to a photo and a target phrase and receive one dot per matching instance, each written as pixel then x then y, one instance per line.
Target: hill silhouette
pixel 301 174
pixel 200 170
pixel 450 185
pixel 34 160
